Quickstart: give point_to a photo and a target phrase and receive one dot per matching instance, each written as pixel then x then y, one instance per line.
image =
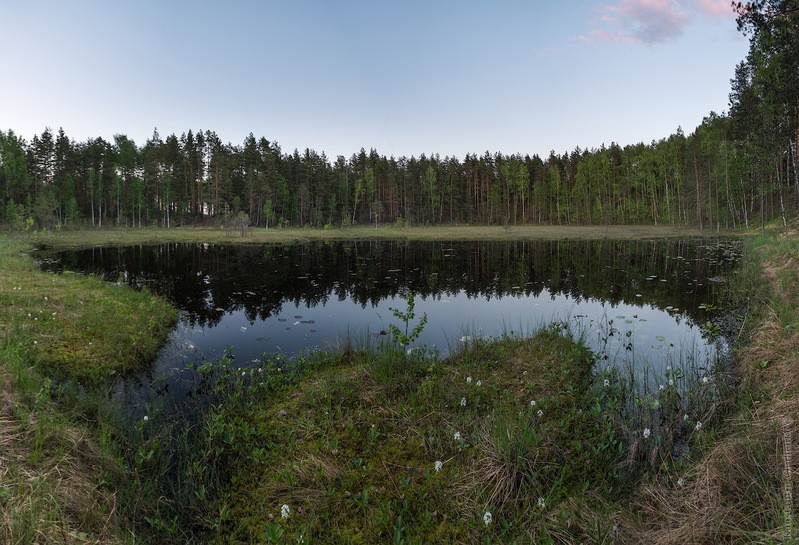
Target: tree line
pixel 736 169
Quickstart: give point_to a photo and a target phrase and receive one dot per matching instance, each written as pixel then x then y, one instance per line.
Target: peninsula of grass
pixel 75 326
pixel 505 441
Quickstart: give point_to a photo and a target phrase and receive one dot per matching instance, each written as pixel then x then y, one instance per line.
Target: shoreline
pixel 155 235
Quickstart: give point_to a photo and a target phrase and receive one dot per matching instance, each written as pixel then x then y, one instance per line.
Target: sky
pixel 404 77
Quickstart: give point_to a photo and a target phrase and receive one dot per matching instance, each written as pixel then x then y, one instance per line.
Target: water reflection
pixel 642 300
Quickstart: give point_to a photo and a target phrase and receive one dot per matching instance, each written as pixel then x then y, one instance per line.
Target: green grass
pixel 351 447
pixel 75 326
pixel 155 235
pixel 57 482
pixel 380 446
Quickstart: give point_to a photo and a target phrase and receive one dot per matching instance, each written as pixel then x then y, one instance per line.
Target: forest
pixel 737 169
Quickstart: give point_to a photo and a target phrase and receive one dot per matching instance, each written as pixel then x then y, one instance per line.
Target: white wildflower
pixel 145 418
pixel 285 511
pixel 540 413
pixel 532 403
pixel 698 426
pixel 705 380
pixel 606 383
pixel 479 382
pixel 463 402
pixel 487 518
pixel 439 465
pixel 671 382
pixel 647 433
pixel 668 368
pixel 541 503
pixel 680 482
pixel 457 436
pixel 468 380
pixel 685 417
pixel 661 387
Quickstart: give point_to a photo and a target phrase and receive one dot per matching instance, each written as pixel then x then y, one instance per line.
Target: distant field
pixel 89 237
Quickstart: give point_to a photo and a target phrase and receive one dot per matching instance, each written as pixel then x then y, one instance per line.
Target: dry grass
pixel 50 478
pixel 503 480
pixel 731 496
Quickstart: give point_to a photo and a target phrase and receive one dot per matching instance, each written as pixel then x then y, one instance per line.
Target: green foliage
pixel 404 337
pixel 44 209
pixel 15 179
pixel 15 217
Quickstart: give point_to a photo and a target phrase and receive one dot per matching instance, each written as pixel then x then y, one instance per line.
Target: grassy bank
pixel 75 326
pixel 60 478
pixel 90 237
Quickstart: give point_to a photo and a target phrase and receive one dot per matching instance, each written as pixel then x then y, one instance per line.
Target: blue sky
pixel 405 77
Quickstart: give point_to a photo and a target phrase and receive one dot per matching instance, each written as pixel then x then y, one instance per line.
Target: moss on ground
pixel 353 449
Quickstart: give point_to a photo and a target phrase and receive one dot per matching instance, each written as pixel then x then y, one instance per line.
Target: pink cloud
pixel 604 36
pixel 651 20
pixel 715 8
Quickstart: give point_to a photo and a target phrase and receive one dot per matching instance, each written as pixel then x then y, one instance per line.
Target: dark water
pixel 656 297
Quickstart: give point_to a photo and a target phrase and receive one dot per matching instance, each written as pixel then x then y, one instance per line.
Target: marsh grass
pixel 78 327
pixel 56 482
pixel 528 429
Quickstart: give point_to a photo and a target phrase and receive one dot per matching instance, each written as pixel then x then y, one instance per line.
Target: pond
pixel 649 304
